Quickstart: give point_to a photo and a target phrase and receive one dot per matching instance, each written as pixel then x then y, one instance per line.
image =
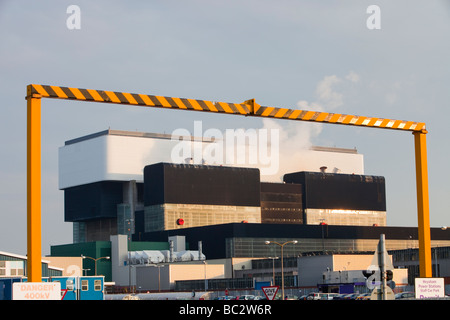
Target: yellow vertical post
pixel 423 209
pixel 34 268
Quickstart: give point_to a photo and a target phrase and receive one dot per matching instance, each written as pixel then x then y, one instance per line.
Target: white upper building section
pixel 113 155
pixel 332 160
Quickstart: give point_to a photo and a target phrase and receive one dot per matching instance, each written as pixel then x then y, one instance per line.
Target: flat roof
pixel 167 136
pixel 135 134
pixel 334 149
pixel 24 258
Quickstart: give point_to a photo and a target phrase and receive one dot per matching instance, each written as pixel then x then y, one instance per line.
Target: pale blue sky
pixel 282 53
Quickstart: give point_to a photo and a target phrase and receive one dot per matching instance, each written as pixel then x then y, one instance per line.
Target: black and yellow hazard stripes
pixel 136 99
pixel 247 108
pixel 335 118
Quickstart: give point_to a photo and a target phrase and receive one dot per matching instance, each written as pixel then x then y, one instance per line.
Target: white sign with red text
pixel 36 291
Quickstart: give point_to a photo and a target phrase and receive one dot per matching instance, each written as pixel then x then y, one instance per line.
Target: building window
pixel 84 285
pixel 69 284
pixel 97 285
pixel 79 232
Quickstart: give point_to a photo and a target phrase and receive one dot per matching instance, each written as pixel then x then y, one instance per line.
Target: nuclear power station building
pixel 122 183
pixel 118 182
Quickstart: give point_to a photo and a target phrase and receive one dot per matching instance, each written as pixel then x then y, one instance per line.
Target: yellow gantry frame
pixel 248 108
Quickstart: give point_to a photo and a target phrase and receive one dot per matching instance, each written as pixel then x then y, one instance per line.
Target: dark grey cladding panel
pixel 281 192
pixel 281 203
pixel 201 184
pixel 92 201
pixel 340 191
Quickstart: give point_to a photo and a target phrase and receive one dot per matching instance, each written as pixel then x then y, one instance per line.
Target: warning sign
pixel 37 291
pixel 429 288
pixel 270 292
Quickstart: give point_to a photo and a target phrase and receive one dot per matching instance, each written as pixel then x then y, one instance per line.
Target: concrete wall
pixel 335 159
pixel 119 258
pixel 400 277
pixel 310 269
pixel 352 262
pixel 227 265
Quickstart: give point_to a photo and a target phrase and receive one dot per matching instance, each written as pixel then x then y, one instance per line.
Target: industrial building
pixel 236 257
pixel 341 199
pixel 14 265
pixel 248 239
pixel 120 183
pixel 184 195
pixel 102 178
pixel 67 270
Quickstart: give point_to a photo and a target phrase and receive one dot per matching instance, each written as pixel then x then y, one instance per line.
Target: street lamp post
pixel 157 265
pixel 95 261
pixel 282 256
pixel 436 255
pixel 273 268
pixel 204 269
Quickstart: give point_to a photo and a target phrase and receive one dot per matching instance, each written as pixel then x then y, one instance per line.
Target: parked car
pixel 247 297
pixel 320 296
pixel 364 296
pixel 405 295
pixel 331 296
pixel 226 298
pixel 339 296
pixel 351 296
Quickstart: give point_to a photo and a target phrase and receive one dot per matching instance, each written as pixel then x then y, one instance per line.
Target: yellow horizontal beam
pixel 247 108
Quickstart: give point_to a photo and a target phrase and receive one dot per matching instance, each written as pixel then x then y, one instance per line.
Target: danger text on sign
pixel 37 291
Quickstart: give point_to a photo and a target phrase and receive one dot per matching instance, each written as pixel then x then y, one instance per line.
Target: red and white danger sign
pixel 270 292
pixel 36 291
